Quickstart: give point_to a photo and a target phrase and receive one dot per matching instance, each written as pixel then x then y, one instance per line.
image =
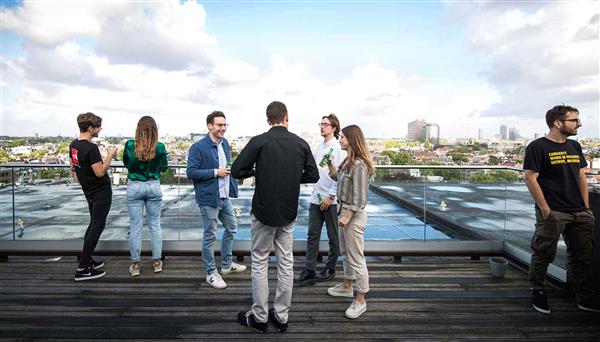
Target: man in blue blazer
pixel 208 167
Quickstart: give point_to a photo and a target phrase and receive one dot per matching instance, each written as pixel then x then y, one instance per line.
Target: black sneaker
pixel 250 322
pixel 281 327
pixel 539 301
pixel 592 304
pixel 306 278
pixel 88 274
pixel 96 264
pixel 325 275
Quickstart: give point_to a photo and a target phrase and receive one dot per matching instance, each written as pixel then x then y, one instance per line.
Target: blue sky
pixel 463 65
pixel 409 37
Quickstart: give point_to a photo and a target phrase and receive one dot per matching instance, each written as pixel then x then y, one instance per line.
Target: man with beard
pixel 554 174
pixel 323 206
pixel 209 161
pixel 91 174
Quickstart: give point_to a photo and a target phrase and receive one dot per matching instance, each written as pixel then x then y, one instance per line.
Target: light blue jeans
pixel 139 195
pixel 224 213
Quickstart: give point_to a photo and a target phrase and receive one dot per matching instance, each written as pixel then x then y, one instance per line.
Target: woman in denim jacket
pixel 353 187
pixel 145 158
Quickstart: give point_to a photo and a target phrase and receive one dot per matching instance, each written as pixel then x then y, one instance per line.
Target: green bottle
pixel 320 198
pixel 229 163
pixel 325 157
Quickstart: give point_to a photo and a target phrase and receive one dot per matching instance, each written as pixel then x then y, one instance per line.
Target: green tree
pixel 493 160
pixel 501 176
pixel 399 158
pixel 391 144
pixel 168 176
pixel 4 156
pixel 63 148
pixel 52 173
pixel 16 143
pixel 459 157
pixel 38 154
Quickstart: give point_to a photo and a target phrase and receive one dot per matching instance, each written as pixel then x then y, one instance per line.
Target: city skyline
pixel 464 66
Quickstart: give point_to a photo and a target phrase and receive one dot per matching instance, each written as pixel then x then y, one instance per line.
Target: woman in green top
pixel 145 158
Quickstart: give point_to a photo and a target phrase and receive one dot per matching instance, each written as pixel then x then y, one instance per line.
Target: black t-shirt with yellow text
pixel 558 165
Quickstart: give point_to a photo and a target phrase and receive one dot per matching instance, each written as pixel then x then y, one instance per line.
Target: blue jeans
pixel 139 195
pixel 224 212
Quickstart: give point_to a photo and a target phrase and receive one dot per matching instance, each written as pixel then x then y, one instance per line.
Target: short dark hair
pixel 276 112
pixel 210 118
pixel 557 113
pixel 335 123
pixel 87 120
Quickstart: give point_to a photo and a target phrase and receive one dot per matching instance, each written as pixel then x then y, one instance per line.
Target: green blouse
pixel 144 170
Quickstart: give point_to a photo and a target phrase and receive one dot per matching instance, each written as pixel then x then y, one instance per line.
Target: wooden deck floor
pixel 420 299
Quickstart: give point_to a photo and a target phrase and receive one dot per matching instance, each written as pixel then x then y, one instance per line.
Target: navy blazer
pixel 203 159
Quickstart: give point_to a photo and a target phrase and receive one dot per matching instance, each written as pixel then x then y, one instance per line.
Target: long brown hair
pixel 146 137
pixel 358 149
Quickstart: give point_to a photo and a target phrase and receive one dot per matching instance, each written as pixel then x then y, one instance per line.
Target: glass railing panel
pixel 469 204
pixel 520 222
pixel 7 223
pixel 395 207
pixel 48 206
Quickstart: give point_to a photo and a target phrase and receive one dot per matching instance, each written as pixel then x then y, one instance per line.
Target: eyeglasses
pixel 572 120
pixel 324 124
pixel 221 125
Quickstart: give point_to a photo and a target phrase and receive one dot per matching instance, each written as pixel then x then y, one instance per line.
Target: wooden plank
pixel 422 299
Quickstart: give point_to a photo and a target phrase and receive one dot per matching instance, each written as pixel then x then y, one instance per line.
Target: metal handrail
pixel 117 164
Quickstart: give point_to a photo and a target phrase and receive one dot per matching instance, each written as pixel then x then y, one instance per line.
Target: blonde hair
pixel 146 137
pixel 358 149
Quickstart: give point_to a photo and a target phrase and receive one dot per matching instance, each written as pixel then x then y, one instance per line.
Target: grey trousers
pixel 316 217
pixel 577 230
pixel 263 238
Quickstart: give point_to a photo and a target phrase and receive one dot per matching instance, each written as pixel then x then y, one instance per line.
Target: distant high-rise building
pixel 504 132
pixel 513 134
pixel 432 133
pixel 480 134
pixel 536 136
pixel 416 130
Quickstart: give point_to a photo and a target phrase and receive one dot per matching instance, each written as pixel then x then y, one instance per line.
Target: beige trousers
pixel 352 246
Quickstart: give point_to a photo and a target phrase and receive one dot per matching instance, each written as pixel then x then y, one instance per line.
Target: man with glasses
pixel 208 167
pixel 323 206
pixel 554 174
pixel 87 163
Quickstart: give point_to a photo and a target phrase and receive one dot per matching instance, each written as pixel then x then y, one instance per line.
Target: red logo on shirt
pixel 74 158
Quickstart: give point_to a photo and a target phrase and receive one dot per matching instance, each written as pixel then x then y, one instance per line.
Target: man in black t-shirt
pixel 554 174
pixel 91 173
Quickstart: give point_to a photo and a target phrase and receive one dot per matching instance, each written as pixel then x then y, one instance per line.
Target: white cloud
pixel 539 56
pixel 156 58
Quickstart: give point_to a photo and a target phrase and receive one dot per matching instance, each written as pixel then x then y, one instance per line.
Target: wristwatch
pixel 332 197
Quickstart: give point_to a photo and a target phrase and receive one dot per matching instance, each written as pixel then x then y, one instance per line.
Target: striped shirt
pixel 353 186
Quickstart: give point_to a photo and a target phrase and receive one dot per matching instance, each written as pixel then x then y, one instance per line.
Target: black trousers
pixel 99 206
pixel 316 217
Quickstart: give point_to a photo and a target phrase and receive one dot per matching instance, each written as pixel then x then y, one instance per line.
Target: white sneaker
pixel 356 309
pixel 234 268
pixel 214 279
pixel 340 291
pixel 134 270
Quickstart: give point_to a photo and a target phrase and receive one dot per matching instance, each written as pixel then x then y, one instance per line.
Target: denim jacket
pixel 202 161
